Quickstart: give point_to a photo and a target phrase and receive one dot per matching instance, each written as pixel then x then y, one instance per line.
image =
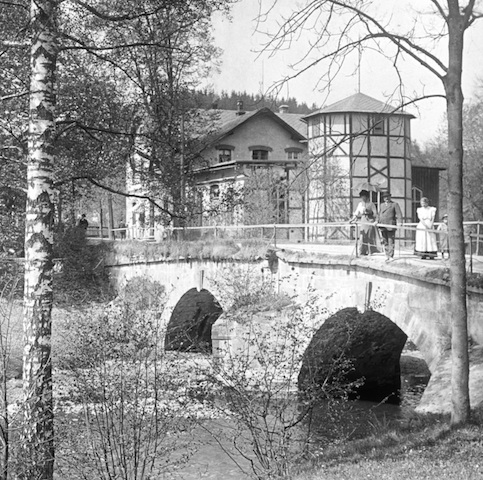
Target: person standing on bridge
pixel 366 213
pixel 426 245
pixel 390 214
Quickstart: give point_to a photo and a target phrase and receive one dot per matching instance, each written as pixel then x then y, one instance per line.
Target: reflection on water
pixel 356 419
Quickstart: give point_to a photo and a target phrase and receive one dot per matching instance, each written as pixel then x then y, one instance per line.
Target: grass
pixel 422 448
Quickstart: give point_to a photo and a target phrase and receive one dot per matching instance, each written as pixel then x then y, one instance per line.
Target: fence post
pixel 471 253
pixel 357 240
pixel 478 239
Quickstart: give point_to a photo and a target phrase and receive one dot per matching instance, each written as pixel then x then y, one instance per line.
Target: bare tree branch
pixel 14 95
pixel 116 18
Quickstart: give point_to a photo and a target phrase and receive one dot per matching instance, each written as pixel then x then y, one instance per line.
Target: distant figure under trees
pixel 83 223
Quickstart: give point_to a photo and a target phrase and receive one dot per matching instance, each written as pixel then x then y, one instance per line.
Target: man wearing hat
pixel 390 214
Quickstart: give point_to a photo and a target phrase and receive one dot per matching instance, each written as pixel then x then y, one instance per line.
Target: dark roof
pixel 360 103
pixel 228 120
pixel 422 162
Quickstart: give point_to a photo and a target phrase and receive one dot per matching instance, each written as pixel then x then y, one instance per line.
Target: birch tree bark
pixel 38 433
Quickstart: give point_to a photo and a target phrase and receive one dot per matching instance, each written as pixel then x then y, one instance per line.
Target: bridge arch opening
pixel 371 343
pixel 189 327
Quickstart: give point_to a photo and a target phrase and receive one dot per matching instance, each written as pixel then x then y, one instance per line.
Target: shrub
pixel 124 404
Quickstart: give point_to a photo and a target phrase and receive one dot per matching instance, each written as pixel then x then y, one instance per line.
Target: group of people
pixel 387 220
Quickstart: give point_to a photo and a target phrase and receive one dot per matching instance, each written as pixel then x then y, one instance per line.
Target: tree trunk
pixel 38 432
pixel 459 335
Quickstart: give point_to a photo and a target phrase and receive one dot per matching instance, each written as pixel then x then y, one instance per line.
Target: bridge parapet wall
pixel 408 296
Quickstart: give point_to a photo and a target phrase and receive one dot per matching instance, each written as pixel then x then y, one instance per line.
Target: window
pixel 314 127
pixel 293 153
pixel 280 201
pixel 337 124
pixel 259 154
pixel 377 125
pixel 224 155
pixel 214 192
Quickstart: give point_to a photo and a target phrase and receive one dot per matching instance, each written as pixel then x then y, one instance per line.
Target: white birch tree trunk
pixel 38 433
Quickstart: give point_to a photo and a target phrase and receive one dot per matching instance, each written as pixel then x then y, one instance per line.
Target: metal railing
pixel 327 233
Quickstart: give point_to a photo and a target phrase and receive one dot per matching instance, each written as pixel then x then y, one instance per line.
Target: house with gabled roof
pixel 254 157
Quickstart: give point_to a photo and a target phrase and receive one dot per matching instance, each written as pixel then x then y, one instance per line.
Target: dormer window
pixel 260 152
pixel 224 153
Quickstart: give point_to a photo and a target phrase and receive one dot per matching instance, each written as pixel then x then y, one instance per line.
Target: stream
pixel 353 419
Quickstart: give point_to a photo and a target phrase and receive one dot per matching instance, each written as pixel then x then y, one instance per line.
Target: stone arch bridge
pixel 413 297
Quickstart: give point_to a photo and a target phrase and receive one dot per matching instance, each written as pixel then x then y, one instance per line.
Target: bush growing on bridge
pixel 216 249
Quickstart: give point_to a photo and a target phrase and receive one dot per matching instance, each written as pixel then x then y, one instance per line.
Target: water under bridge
pixel 409 293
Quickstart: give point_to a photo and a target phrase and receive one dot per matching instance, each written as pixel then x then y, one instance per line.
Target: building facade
pixel 253 172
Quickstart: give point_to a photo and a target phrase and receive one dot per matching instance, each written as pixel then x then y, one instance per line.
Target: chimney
pixel 283 109
pixel 240 110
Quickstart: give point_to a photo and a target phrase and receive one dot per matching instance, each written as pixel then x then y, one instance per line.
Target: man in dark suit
pixel 389 214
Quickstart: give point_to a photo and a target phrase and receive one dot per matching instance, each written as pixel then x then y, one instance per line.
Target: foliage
pixel 436 152
pixel 207 98
pixel 12 219
pixel 10 365
pixel 184 250
pixel 126 396
pixel 250 292
pixel 80 275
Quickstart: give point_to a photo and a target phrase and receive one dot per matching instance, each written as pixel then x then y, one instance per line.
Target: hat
pixel 445 215
pixel 385 194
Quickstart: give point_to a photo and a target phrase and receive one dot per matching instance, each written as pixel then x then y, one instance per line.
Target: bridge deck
pixel 474 263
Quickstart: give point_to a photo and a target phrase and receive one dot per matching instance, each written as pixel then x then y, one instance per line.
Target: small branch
pixel 14 95
pixel 115 18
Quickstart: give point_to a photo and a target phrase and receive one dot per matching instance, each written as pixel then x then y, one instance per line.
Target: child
pixel 443 236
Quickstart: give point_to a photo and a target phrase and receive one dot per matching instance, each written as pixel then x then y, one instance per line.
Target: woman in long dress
pixel 366 213
pixel 426 245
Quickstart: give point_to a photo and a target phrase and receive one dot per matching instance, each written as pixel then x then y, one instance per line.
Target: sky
pixel 245 67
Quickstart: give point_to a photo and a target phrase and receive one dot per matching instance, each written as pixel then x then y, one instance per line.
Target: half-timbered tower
pixel 357 141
